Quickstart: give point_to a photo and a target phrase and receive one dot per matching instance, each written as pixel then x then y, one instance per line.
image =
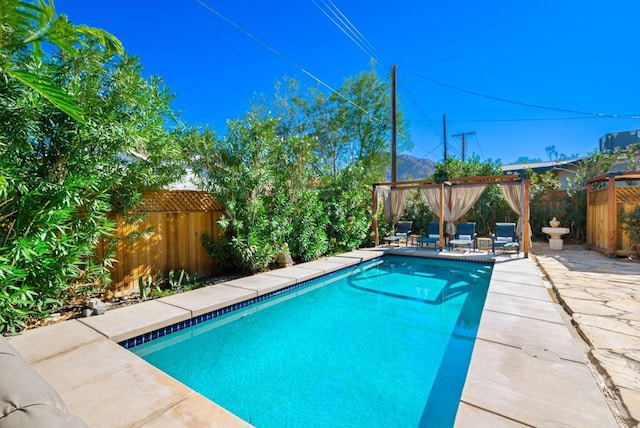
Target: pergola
pixel 604 231
pixel 442 198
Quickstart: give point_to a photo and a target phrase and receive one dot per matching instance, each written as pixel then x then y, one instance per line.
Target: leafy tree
pixel 554 155
pixel 305 164
pixel 598 163
pixel 350 126
pixel 419 212
pixel 347 202
pixel 525 159
pixel 350 130
pixel 261 178
pixel 308 238
pixel 24 27
pixel 63 176
pixel 542 209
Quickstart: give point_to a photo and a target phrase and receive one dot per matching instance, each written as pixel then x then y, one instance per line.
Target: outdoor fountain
pixel 555 234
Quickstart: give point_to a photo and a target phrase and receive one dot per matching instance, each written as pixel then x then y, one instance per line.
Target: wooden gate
pixel 605 231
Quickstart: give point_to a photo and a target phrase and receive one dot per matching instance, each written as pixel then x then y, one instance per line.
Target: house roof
pixel 540 166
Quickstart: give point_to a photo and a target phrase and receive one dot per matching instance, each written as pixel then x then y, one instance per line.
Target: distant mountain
pixel 411 168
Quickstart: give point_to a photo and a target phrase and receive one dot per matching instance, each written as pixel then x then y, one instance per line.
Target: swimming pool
pixel 385 343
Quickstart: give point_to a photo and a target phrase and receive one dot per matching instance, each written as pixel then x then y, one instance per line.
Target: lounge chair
pixel 403 230
pixel 432 236
pixel 465 236
pixel 505 238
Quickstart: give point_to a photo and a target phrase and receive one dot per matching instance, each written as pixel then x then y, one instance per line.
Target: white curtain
pixel 463 198
pixel 514 193
pixel 398 201
pixel 431 196
pixel 384 193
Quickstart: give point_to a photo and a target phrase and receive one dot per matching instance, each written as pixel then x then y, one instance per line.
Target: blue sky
pixel 573 55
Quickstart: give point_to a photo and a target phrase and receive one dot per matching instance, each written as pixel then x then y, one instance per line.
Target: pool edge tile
pixel 129 321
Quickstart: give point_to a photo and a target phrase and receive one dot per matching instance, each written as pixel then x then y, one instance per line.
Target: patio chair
pixel 465 236
pixel 403 230
pixel 432 236
pixel 505 238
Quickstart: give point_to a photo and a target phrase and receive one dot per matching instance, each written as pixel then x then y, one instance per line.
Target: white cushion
pixel 431 235
pixel 504 239
pixel 465 237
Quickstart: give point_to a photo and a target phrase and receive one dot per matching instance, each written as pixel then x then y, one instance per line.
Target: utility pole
pixel 464 141
pixel 393 123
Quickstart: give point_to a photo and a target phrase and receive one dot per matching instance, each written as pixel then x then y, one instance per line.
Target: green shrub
pixel 308 238
pixel 347 202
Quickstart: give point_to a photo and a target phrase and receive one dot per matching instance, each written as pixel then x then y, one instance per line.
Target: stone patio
pixel 602 295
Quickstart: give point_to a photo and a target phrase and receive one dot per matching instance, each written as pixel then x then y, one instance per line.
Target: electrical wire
pixel 506 100
pixel 430 152
pixel 340 20
pixel 278 54
pixel 345 25
pixel 478 143
pixel 517 120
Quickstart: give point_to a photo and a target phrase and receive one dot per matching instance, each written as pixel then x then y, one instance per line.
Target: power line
pixel 278 54
pixel 373 52
pixel 427 152
pixel 340 20
pixel 475 136
pixel 506 100
pixel 421 111
pixel 357 37
pixel 519 120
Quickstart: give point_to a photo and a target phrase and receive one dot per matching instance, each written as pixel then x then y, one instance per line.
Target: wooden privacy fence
pixel 568 209
pixel 168 236
pixel 605 231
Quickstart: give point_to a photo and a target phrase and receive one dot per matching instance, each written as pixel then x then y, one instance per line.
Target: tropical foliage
pixel 81 134
pixel 298 171
pixel 598 163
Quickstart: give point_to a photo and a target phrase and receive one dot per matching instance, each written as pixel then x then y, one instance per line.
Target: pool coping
pixel 521 328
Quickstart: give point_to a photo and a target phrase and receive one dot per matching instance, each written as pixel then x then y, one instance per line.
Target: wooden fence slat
pixel 627 198
pixel 178 220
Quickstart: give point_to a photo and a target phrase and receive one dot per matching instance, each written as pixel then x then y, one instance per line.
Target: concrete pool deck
pixel 528 368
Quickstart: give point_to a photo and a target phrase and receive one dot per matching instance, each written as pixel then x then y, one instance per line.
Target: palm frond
pixel 50 91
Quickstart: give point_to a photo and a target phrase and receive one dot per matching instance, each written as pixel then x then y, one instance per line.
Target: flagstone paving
pixel 602 295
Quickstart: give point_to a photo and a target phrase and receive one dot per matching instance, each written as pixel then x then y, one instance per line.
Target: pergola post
pixel 374 220
pixel 589 189
pixel 441 240
pixel 526 233
pixel 612 221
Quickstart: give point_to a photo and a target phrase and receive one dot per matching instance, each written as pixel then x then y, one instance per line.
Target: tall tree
pixel 262 179
pixel 24 27
pixel 350 126
pixel 64 176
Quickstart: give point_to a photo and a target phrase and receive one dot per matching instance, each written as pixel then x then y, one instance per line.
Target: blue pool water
pixel 383 344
